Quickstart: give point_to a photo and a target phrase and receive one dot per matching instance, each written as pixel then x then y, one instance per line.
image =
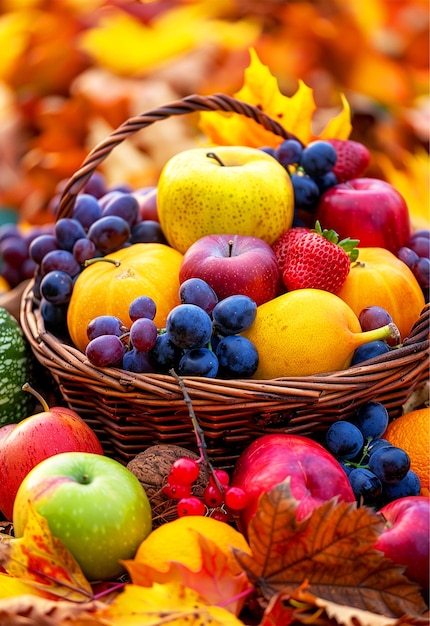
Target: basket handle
pixel 189 104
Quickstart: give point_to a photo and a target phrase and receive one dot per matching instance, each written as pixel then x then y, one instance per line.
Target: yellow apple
pixel 223 189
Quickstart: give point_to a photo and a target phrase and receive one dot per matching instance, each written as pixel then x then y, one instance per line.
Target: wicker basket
pixel 130 412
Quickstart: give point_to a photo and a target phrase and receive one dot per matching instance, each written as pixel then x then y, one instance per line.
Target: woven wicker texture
pixel 130 412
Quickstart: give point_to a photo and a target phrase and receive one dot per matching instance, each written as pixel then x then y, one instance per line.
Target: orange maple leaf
pixel 295 113
pixel 216 580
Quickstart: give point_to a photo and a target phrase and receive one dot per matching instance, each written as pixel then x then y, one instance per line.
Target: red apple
pixel 36 438
pixel 316 476
pixel 368 209
pixel 405 539
pixel 233 264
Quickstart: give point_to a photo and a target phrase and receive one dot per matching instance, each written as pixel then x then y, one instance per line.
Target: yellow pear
pixel 306 332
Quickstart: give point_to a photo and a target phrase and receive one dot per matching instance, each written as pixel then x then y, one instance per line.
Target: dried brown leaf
pixel 332 549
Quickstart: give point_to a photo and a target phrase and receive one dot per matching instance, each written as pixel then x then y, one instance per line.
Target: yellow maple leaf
pixel 126 46
pixel 413 183
pixel 171 603
pixel 42 562
pixel 294 113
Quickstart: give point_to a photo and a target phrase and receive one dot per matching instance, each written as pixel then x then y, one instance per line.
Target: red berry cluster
pixel 219 500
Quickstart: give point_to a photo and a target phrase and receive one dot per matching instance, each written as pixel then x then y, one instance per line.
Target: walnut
pixel 151 467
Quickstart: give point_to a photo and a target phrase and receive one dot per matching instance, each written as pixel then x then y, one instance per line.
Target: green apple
pixel 225 189
pixel 93 504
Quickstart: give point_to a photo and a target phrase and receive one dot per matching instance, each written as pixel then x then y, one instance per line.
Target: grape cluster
pixel 311 171
pixel 416 255
pixel 220 500
pixel 201 336
pixel 103 220
pixel 378 472
pixel 16 264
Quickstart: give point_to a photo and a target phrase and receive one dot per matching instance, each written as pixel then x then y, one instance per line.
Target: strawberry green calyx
pixel 348 245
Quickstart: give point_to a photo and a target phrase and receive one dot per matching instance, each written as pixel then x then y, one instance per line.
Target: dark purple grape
pixel 410 485
pixel 344 440
pixel 60 260
pixel 147 231
pixel 28 269
pixel 366 486
pixel 377 443
pixel 390 464
pixel 12 275
pixel 198 362
pixel 373 317
pixel 142 306
pixel 165 354
pixel 96 185
pixel 237 357
pixel 54 317
pixel 68 231
pixel 306 192
pixel 289 152
pixel 189 326
pixel 105 325
pixel 87 210
pixel 123 205
pixel 234 314
pixel 84 249
pixel 268 150
pixel 143 334
pixel 408 256
pixel 109 233
pixel 421 271
pixel 420 233
pixel 56 287
pixel 371 418
pixel 14 251
pixel 326 181
pixel 105 350
pixel 318 158
pixel 368 351
pixel 138 362
pixel 421 246
pixel 9 230
pixel 41 245
pixel 198 291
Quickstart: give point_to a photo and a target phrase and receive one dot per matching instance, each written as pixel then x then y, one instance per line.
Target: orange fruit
pixel 4 285
pixel 150 269
pixel 178 541
pixel 379 278
pixel 411 432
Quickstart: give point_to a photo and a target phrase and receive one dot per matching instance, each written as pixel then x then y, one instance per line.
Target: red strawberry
pixel 318 260
pixel 282 245
pixel 353 159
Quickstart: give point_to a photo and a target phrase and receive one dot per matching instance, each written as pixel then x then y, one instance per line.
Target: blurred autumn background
pixel 73 70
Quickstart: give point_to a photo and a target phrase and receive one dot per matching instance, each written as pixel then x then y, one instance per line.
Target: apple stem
pixel 36 394
pixel 213 155
pixel 230 247
pixel 200 437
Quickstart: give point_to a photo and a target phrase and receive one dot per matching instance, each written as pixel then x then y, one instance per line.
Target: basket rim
pixel 71 363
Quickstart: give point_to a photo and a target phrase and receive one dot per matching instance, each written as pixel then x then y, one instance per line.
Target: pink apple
pixel 233 264
pixel 316 476
pixel 406 537
pixel 34 439
pixel 368 209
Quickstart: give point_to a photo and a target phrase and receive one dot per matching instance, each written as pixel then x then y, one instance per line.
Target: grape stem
pixel 200 437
